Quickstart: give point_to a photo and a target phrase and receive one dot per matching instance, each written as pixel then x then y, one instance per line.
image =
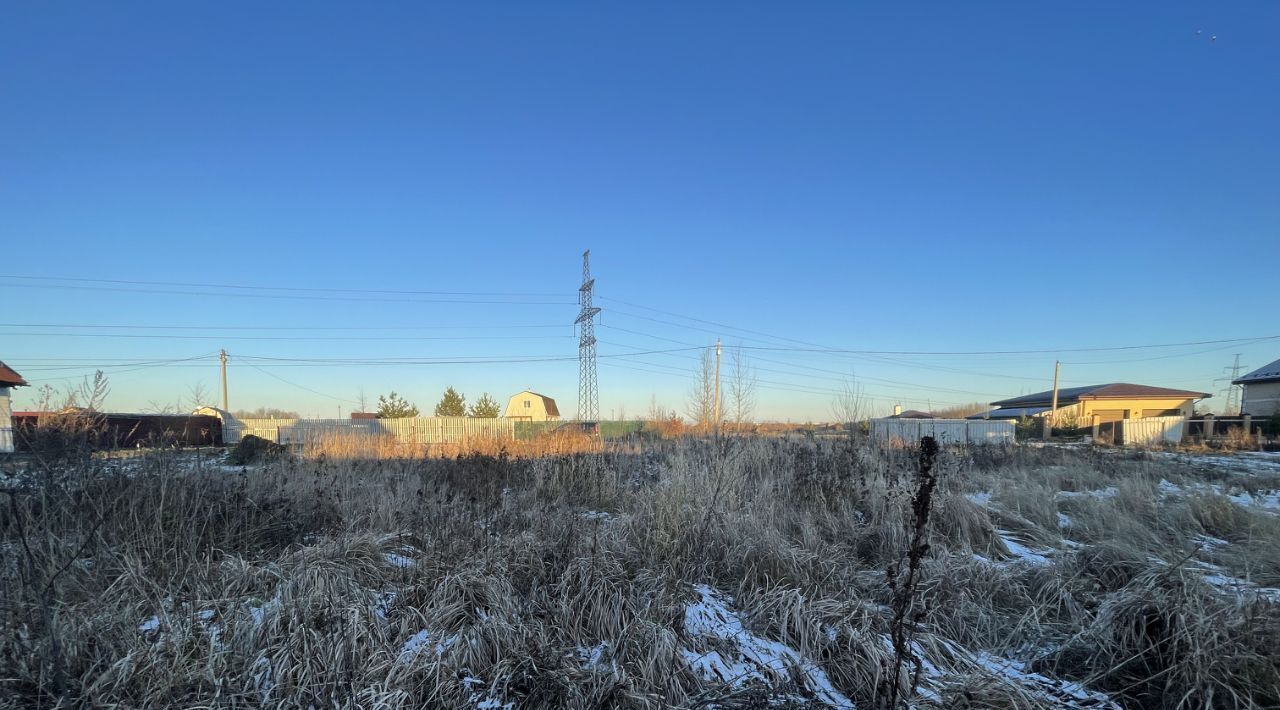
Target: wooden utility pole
pixel 222 357
pixel 1053 408
pixel 716 420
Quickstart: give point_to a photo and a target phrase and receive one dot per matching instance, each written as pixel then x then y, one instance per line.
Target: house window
pixel 528 404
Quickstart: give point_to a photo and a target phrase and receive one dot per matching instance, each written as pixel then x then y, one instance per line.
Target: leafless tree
pixel 742 389
pixel 198 396
pixel 849 404
pixel 363 400
pixel 700 406
pixel 157 407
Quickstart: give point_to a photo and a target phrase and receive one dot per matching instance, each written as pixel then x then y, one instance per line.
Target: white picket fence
pixel 409 430
pixel 1152 431
pixel 946 431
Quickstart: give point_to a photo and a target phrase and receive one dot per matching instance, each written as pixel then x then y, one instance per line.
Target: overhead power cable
pixel 304 289
pixel 470 326
pixel 289 338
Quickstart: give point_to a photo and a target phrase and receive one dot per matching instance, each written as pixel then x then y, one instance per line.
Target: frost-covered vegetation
pixel 741 573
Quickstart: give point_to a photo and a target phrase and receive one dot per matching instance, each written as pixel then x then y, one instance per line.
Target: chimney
pixel 897 409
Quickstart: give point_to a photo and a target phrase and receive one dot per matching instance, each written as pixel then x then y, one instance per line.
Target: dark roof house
pixel 1115 399
pixel 1261 391
pixel 913 414
pixel 1266 373
pixel 9 378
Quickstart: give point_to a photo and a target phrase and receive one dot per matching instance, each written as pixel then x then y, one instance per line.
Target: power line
pixel 820 348
pixel 305 289
pixel 281 327
pixel 291 338
pixel 295 297
pixel 302 387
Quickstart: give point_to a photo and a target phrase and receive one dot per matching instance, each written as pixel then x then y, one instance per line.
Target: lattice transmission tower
pixel 1233 390
pixel 588 391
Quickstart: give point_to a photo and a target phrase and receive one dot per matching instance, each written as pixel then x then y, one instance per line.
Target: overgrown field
pixel 740 573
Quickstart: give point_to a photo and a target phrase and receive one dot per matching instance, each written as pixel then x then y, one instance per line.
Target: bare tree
pixel 849 404
pixel 198 396
pixel 363 400
pixel 700 406
pixel 742 389
pixel 158 407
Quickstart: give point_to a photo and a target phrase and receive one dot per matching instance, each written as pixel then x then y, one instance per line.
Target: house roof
pixel 1266 373
pixel 1114 390
pixel 548 403
pixel 9 378
pixel 913 414
pixel 1009 413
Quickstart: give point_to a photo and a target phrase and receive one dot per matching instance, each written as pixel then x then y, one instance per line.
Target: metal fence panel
pixel 946 431
pixel 1150 431
pixel 409 430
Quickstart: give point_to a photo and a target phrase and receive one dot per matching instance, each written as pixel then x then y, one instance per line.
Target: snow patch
pixel 382 606
pixel 741 656
pixel 260 611
pixel 421 641
pixel 152 624
pixel 1023 554
pixel 1061 692
pixel 398 560
pixel 1108 492
pixel 981 498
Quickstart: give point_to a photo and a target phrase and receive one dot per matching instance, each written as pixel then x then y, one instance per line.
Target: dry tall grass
pixel 172 580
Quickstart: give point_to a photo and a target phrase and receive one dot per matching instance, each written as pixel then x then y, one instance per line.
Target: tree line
pixel 451 404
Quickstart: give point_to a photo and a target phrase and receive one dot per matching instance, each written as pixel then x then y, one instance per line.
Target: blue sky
pixel 905 177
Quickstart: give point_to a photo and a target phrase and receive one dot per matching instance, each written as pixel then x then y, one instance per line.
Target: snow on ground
pixel 396 560
pixel 383 605
pixel 1266 502
pixel 592 658
pixel 152 624
pixel 1108 492
pixel 1062 693
pixel 980 498
pixel 1218 578
pixel 736 656
pixel 260 610
pixel 1021 553
pixel 421 641
pixel 1249 462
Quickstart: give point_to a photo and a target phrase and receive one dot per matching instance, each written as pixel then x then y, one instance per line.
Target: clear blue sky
pixel 924 176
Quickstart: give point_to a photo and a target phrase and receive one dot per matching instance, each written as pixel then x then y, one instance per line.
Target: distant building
pixel 8 380
pixel 1261 391
pixel 530 406
pixel 911 414
pixel 1117 401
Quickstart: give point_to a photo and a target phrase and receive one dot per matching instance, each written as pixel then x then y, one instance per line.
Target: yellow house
pixel 530 406
pixel 1098 404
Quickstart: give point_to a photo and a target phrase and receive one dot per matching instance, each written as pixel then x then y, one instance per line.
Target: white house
pixel 8 380
pixel 1261 391
pixel 530 406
